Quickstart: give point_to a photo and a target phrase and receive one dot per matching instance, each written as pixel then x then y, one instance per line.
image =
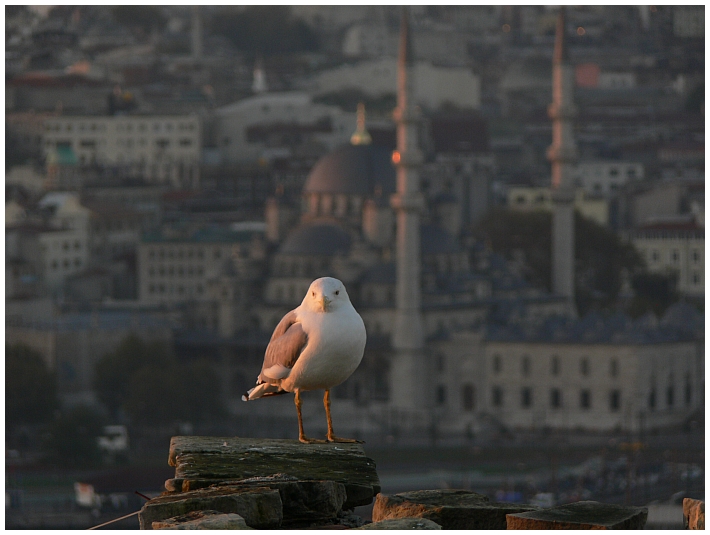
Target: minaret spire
pixel 407 370
pixel 361 136
pixel 563 156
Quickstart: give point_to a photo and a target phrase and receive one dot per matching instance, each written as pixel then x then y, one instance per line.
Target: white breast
pixel 336 343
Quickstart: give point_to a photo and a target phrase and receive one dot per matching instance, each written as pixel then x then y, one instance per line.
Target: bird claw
pixel 306 440
pixel 344 440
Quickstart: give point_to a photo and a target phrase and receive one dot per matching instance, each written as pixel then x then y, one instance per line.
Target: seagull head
pixel 326 295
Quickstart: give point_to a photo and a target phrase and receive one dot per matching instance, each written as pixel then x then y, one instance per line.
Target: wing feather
pixel 283 351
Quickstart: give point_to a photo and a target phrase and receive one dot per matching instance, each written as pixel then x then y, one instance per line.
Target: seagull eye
pixel 337 292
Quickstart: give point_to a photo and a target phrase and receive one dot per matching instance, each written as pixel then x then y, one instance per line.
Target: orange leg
pixel 301 435
pixel 331 434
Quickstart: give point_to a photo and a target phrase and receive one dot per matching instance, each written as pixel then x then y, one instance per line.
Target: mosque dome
pixel 364 170
pixel 317 238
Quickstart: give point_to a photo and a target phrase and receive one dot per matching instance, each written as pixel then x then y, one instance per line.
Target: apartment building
pixel 160 149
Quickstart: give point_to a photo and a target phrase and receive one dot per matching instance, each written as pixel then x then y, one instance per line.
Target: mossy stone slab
pixel 581 515
pixel 203 520
pixel 402 523
pixel 260 507
pixel 203 461
pixel 450 508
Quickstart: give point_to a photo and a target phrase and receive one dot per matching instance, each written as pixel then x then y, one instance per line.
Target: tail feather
pixel 262 390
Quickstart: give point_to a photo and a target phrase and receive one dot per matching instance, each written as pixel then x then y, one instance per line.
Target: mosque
pixel 457 339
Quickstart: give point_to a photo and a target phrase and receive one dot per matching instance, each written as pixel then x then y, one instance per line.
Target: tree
pixel 264 29
pixel 140 17
pixel 600 255
pixel 181 392
pixel 74 434
pixel 114 370
pixel 30 387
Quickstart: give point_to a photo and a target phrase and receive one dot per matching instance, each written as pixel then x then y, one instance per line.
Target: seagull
pixel 317 345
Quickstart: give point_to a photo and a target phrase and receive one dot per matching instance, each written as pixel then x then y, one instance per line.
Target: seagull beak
pixel 326 303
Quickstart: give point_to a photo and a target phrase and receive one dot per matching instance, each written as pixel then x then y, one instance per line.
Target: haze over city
pixel 513 197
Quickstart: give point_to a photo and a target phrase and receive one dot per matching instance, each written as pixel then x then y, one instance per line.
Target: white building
pixel 178 268
pixel 375 78
pixel 607 177
pixel 674 246
pixel 527 198
pixel 163 149
pixel 594 386
pixel 268 124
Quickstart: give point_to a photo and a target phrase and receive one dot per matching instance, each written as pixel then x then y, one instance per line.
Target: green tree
pixel 600 255
pixel 182 392
pixel 30 387
pixel 653 292
pixel 140 17
pixel 114 370
pixel 264 29
pixel 73 436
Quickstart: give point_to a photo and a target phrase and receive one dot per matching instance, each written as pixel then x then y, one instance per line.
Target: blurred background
pixel 176 176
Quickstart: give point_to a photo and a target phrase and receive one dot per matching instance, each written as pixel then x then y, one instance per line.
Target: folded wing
pixel 286 345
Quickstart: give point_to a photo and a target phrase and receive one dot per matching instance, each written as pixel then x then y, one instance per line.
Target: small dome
pixel 353 170
pixel 322 239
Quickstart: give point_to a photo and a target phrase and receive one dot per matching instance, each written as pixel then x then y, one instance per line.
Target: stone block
pixel 451 509
pixel 304 502
pixel 402 523
pixel 693 514
pixel 204 461
pixel 203 520
pixel 581 515
pixel 260 506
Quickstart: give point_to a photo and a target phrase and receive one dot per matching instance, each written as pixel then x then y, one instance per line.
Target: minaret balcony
pixel 410 202
pixel 409 114
pixel 568 154
pixel 561 111
pixel 409 158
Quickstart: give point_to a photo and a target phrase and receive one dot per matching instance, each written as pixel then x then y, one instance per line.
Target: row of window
pixel 180 271
pixel 161 253
pixel 555 366
pixel 66 263
pixel 174 290
pixel 555 398
pixel 654 255
pixel 468 399
pixel 167 126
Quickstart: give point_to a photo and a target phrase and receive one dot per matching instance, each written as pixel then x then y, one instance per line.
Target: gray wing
pixel 283 350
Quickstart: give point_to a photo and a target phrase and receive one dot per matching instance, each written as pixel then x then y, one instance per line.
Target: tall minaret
pixel 407 371
pixel 563 155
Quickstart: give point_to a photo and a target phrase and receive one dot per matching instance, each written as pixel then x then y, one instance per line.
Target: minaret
pixel 259 85
pixel 361 136
pixel 563 155
pixel 407 371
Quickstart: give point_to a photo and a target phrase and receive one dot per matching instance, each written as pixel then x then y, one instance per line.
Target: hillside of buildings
pixel 176 176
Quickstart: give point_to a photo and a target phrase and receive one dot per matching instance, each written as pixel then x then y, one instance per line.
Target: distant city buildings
pixel 169 184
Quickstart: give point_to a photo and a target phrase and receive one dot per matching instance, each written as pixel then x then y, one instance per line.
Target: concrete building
pixel 601 386
pixel 435 85
pixel 176 267
pixel 539 198
pixel 674 246
pixel 607 177
pixel 160 149
pixel 269 125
